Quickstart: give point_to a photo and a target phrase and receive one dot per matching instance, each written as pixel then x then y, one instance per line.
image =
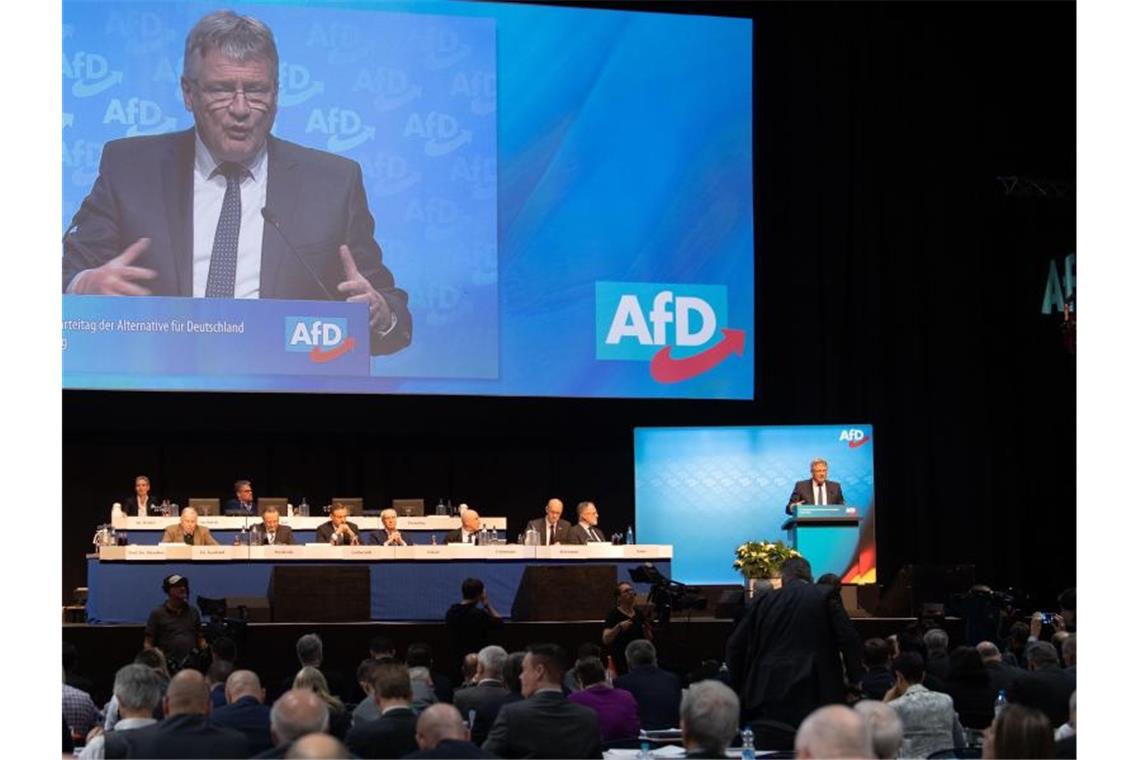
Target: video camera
pixel 666 595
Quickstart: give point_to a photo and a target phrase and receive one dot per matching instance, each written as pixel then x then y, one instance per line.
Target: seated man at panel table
pixel 551 529
pixel 817 489
pixel 242 503
pixel 388 535
pixel 139 503
pixel 188 531
pixel 270 531
pixel 468 530
pixel 338 531
pixel 175 627
pixel 586 531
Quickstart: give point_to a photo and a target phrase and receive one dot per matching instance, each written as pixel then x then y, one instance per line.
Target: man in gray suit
pixel 551 529
pixel 487 695
pixel 545 723
pixel 817 489
pixel 225 210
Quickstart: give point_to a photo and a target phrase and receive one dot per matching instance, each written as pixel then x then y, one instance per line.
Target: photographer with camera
pixel 625 624
pixel 175 627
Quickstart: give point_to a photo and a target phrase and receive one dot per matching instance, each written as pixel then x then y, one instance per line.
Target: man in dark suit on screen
pixel 784 656
pixel 225 210
pixel 817 489
pixel 544 723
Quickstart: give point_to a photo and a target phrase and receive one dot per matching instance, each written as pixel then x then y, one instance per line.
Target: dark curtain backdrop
pixel 896 284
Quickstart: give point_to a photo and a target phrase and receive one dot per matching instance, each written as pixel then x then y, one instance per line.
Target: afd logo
pixel 854 437
pixel 646 321
pixel 91 72
pixel 141 117
pixel 322 339
pixel 343 126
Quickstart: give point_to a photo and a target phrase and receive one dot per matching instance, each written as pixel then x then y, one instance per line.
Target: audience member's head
pixel 795 568
pixel 318 747
pixel 224 648
pixel 472 589
pixel 909 668
pixel 936 640
pixel 244 683
pixel 833 731
pixel 542 668
pixel 138 691
pixel 218 672
pixel 364 673
pixel 966 665
pixel 911 640
pixel 438 723
pixel 829 579
pixel 1038 654
pixel 70 656
pixel 988 651
pixel 1069 650
pixel 154 659
pixel 876 652
pixel 710 716
pixel 1067 601
pixel 707 669
pixel 418 655
pixel 310 650
pixel 589 649
pixel 641 653
pixel 491 660
pixel 512 671
pixel 1018 635
pixel 1019 731
pixel 885 726
pixel 310 678
pixel 380 647
pixel 469 667
pixel 187 694
pixel 296 713
pixel 589 671
pixel 391 683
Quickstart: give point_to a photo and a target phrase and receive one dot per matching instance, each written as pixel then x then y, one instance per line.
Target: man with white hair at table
pixel 834 731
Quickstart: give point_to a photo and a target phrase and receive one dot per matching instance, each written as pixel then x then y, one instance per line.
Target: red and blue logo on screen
pixel 855 437
pixel 680 329
pixel 323 338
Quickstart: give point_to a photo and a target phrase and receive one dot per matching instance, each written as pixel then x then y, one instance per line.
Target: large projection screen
pixel 565 195
pixel 708 490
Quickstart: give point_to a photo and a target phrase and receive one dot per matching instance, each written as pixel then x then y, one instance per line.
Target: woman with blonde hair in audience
pixel 340 720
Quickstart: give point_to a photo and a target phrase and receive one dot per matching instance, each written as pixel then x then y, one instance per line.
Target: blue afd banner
pixel 519 161
pixel 708 490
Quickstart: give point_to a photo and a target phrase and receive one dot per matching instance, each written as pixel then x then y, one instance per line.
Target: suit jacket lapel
pixel 281 196
pixel 178 190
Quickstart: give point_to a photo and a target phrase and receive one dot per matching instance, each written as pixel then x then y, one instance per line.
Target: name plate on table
pixel 115 552
pixel 449 551
pixel 367 552
pixel 510 551
pixel 278 551
pixel 179 551
pixel 126 522
pixel 218 552
pixel 648 551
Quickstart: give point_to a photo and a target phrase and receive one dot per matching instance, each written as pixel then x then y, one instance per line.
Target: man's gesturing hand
pixel 117 277
pixel 361 290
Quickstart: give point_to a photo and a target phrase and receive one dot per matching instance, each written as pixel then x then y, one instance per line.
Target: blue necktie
pixel 223 259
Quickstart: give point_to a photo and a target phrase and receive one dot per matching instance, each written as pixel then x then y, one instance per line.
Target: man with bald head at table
pixel 551 529
pixel 468 530
pixel 188 531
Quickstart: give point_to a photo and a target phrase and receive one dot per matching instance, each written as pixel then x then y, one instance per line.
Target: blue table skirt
pixel 126 592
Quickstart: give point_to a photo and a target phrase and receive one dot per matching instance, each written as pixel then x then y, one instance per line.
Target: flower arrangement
pixel 762 559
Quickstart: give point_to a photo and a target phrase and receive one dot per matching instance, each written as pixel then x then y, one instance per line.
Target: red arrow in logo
pixel 320 357
pixel 665 369
pixel 858 443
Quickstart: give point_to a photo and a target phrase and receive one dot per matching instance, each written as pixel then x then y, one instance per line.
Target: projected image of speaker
pixel 408 507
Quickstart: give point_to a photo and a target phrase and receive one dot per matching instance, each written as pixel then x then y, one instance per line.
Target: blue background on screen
pixel 606 145
pixel 708 490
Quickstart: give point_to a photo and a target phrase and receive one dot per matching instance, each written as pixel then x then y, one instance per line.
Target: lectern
pixel 827 536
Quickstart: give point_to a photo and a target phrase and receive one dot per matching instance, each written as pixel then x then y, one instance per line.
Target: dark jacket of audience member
pixel 179 736
pixel 969 685
pixel 784 657
pixel 249 717
pixel 1046 686
pixel 657 691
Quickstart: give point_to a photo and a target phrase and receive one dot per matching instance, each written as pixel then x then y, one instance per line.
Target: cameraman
pixel 175 626
pixel 624 624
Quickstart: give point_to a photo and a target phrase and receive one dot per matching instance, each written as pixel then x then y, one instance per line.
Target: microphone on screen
pixel 271 218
